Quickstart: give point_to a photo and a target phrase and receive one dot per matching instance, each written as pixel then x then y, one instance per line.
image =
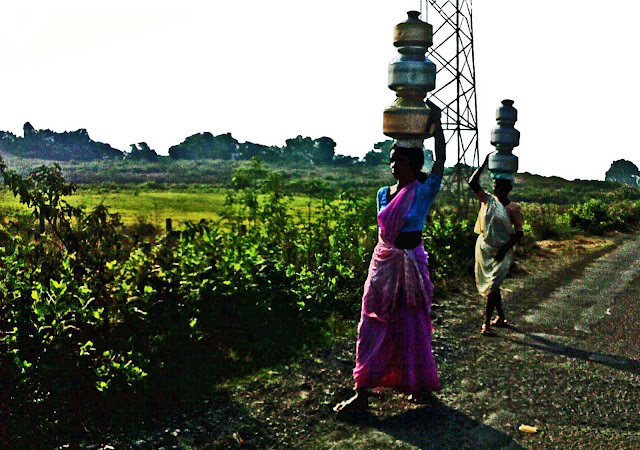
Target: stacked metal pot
pixel 411 76
pixel 505 138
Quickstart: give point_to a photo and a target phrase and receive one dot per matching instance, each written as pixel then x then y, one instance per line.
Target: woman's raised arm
pixel 474 181
pixel 435 126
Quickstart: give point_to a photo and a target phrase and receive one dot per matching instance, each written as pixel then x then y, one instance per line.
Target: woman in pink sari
pixel 394 334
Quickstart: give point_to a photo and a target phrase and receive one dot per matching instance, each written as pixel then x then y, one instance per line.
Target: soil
pixel 569 366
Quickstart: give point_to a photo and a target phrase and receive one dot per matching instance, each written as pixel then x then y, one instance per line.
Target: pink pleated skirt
pixel 396 353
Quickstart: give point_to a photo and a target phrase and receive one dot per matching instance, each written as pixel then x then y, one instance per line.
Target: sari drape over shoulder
pixel 494 229
pixel 394 274
pixel 394 335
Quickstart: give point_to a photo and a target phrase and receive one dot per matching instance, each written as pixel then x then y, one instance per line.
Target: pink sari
pixel 394 334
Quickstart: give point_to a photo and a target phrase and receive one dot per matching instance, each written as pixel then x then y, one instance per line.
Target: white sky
pixel 153 71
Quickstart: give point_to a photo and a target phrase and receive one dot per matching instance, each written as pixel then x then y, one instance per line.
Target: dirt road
pixel 569 366
pixel 587 333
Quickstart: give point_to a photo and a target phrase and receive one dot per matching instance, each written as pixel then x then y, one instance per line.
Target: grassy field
pixel 154 207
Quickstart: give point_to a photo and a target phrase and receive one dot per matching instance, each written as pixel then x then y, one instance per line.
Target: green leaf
pixel 41 308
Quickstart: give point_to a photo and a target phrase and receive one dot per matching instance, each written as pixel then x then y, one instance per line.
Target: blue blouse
pixel 425 195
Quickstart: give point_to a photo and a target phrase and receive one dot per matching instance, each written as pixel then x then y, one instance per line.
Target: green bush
pixel 450 243
pixel 92 315
pixel 545 221
pixel 596 216
pixel 631 210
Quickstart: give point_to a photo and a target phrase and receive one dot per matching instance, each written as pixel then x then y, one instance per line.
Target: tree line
pixel 77 145
pixel 303 151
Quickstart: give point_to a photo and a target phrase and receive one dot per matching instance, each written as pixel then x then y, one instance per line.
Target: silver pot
pixel 412 70
pixel 505 138
pixel 503 162
pixel 507 115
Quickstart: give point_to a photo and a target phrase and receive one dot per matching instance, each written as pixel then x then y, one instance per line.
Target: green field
pixel 152 206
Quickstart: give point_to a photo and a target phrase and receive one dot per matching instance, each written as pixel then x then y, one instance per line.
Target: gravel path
pixel 585 389
pixel 584 302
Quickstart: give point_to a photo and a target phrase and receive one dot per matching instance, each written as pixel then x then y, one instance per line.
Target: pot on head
pixel 503 162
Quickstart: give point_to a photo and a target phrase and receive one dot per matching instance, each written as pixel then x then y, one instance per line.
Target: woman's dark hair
pixel 503 183
pixel 416 161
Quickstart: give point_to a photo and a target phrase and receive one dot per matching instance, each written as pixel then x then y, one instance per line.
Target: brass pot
pixel 413 31
pixel 406 118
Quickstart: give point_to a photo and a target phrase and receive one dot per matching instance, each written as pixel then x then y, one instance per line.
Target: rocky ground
pixel 570 366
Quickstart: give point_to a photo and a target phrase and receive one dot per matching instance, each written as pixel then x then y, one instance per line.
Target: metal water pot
pixel 406 118
pixel 503 162
pixel 507 115
pixel 411 70
pixel 505 137
pixel 413 31
pixel 411 75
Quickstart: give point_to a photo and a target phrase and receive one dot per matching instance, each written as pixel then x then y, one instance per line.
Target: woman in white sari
pixel 499 228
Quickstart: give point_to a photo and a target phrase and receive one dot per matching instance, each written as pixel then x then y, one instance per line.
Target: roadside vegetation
pixel 101 309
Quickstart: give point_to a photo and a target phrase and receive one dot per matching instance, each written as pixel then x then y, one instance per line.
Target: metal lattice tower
pixel 455 91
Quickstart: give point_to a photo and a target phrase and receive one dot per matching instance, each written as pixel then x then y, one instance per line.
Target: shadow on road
pixel 539 342
pixel 437 426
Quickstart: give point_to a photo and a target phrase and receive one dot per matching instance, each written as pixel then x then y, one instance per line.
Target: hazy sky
pixel 153 71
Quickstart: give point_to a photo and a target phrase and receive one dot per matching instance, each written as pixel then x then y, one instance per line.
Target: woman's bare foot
pixel 500 322
pixel 486 330
pixel 359 402
pixel 423 398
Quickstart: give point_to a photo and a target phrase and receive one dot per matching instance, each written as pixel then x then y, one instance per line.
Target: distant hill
pixel 539 189
pixel 49 145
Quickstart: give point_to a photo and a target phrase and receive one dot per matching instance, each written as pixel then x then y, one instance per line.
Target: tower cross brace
pixel 455 91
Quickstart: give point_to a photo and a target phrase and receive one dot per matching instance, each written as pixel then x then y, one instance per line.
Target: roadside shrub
pixel 545 221
pixel 596 217
pixel 450 243
pixel 632 211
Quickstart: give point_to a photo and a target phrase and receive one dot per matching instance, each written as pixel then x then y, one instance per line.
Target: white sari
pixel 494 228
